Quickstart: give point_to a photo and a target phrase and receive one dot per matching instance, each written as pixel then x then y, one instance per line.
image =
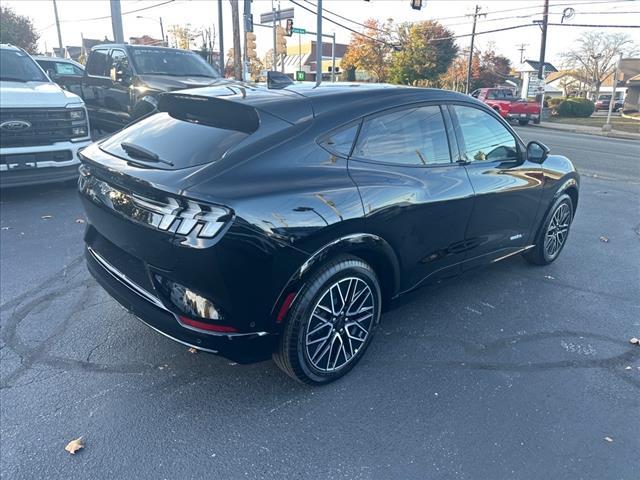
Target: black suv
pixel 121 82
pixel 245 221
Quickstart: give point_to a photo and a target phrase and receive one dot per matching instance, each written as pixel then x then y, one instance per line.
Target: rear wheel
pixel 553 233
pixel 523 122
pixel 331 323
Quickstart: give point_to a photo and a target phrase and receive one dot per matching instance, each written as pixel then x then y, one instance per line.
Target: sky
pixel 80 17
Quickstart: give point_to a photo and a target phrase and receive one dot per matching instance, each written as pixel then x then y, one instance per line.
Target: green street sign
pixel 298 30
pixel 300 76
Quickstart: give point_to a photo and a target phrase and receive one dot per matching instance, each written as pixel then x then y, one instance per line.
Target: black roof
pixel 535 64
pixel 302 101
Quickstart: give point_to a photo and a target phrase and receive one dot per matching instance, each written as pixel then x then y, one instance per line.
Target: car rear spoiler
pixel 213 111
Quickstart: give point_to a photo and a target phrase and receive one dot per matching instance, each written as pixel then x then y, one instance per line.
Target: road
pixel 511 372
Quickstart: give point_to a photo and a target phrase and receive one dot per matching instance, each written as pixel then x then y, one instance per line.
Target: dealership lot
pixel 509 372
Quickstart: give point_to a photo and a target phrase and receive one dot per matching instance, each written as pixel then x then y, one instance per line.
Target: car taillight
pixel 170 214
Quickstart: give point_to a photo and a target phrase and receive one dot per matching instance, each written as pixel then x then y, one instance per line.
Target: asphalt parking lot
pixel 511 372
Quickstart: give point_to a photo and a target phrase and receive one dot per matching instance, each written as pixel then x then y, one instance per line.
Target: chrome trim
pixel 122 278
pixel 523 249
pixel 118 275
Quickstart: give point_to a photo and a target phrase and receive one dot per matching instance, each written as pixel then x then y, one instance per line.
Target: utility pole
pixel 248 28
pixel 55 11
pixel 521 50
pixel 275 48
pixel 220 38
pixel 319 43
pixel 476 14
pixel 162 32
pixel 607 126
pixel 116 21
pixel 237 49
pixel 543 48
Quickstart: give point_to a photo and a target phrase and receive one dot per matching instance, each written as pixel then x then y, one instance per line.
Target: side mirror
pixel 277 80
pixel 537 152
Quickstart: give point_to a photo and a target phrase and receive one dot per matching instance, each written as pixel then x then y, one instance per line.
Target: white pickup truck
pixel 42 126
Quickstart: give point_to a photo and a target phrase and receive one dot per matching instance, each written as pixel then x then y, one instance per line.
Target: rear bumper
pixel 522 116
pixel 240 347
pixel 22 166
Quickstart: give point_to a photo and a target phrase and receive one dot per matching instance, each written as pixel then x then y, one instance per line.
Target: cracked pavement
pixel 512 371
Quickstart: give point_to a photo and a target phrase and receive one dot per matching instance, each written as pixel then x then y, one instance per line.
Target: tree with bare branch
pixel 596 54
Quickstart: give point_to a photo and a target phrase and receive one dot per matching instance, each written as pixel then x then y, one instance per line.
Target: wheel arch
pixel 371 248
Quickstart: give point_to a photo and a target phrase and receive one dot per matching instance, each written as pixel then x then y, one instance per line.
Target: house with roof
pixel 302 57
pixel 528 71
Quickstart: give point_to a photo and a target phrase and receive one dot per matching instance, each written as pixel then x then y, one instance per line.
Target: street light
pixel 159 20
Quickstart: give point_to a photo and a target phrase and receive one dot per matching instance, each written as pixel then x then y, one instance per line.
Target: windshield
pixel 17 66
pixel 171 62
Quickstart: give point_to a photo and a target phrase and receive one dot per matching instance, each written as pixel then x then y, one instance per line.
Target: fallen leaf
pixel 79 220
pixel 74 445
pixel 608 439
pixel 628 367
pixel 46 217
pixel 192 350
pixel 6 228
pixel 549 277
pixel 604 239
pixel 634 341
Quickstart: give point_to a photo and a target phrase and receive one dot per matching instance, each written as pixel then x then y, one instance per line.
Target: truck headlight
pixel 76 114
pixel 79 131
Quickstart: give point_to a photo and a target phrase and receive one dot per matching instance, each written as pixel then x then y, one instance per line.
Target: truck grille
pixel 48 125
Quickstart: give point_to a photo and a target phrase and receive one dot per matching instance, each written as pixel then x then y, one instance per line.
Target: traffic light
pixel 250 42
pixel 416 4
pixel 289 28
pixel 281 42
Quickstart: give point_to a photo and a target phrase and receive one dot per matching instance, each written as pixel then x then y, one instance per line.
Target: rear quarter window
pixel 340 141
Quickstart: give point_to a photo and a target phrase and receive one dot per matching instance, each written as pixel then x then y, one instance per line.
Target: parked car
pixel 121 82
pixel 64 71
pixel 245 221
pixel 604 99
pixel 510 107
pixel 42 127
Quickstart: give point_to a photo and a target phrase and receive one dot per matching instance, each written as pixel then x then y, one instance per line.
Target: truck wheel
pixel 536 121
pixel 523 122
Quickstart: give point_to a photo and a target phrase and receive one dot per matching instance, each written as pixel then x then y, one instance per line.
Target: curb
pixel 600 133
pixel 623 115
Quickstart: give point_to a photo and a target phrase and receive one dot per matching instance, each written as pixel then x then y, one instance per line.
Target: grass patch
pixel 618 123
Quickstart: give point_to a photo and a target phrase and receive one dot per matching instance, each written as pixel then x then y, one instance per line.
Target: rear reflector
pixel 285 306
pixel 206 326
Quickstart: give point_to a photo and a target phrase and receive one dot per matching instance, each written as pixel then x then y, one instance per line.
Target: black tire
pixel 540 255
pixel 536 121
pixel 523 122
pixel 293 354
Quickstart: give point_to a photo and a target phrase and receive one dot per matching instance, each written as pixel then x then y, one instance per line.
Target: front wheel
pixel 331 323
pixel 553 234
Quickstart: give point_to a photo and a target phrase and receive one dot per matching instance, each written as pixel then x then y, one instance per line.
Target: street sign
pixel 298 30
pixel 535 87
pixel 300 75
pixel 278 14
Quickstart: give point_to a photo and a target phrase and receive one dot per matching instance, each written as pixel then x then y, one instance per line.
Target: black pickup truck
pixel 121 82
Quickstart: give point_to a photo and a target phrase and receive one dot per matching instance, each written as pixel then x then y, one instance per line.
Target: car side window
pixel 98 63
pixel 484 137
pixel 63 68
pixel 120 62
pixel 410 136
pixel 341 140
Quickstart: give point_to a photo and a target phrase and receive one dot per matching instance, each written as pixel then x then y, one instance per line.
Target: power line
pixel 586 25
pixel 123 13
pixel 344 26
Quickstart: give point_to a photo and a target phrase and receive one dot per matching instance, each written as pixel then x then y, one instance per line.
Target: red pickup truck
pixel 508 106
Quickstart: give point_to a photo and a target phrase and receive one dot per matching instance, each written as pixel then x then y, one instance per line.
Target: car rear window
pixel 177 143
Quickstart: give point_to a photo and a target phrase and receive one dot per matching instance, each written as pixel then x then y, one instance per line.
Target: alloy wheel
pixel 339 324
pixel 557 231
